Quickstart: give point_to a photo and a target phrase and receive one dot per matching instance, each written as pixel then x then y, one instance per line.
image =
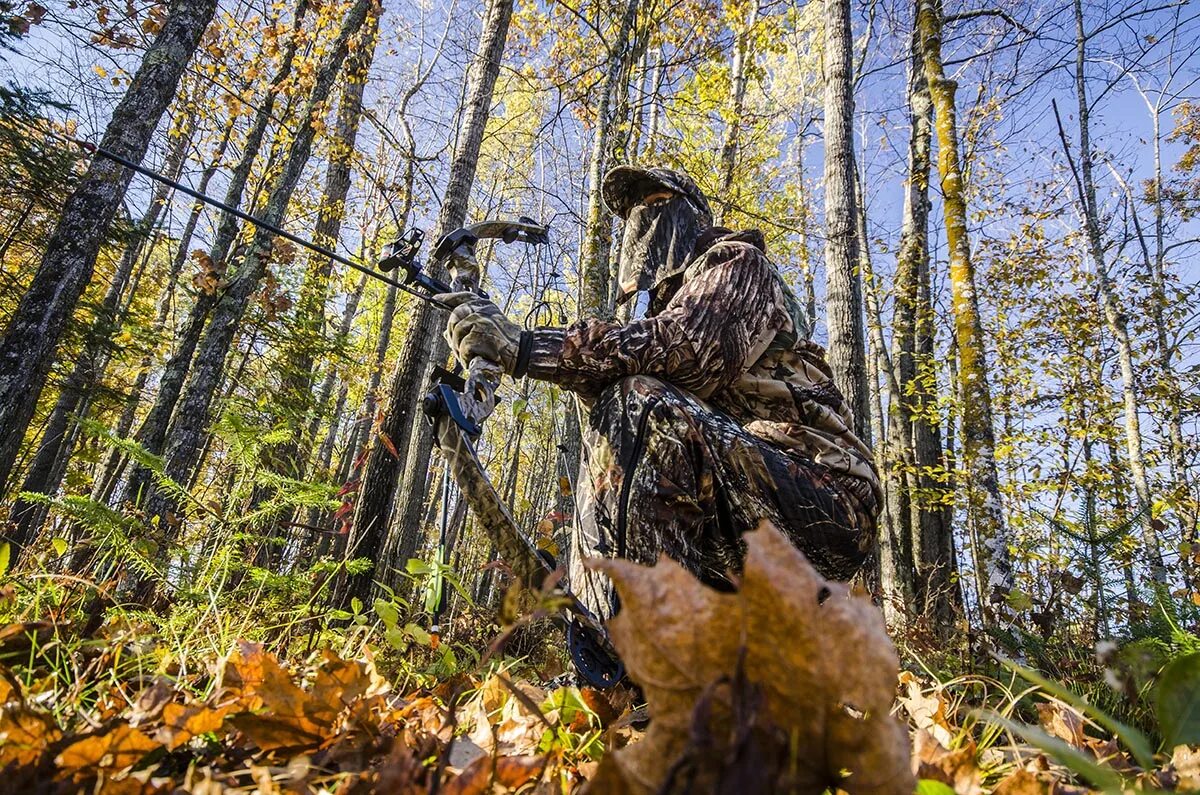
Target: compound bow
pixel 457 406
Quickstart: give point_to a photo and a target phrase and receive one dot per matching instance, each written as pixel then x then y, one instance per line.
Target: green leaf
pixel 356 605
pixel 396 639
pixel 417 634
pixel 5 557
pixel 387 613
pixel 928 786
pixel 59 545
pixel 1177 701
pixel 1134 740
pixel 1018 600
pixel 417 567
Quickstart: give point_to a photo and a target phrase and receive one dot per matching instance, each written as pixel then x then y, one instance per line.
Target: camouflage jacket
pixel 734 335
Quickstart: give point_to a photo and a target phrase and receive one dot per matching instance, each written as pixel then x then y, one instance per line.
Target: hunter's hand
pixel 477 327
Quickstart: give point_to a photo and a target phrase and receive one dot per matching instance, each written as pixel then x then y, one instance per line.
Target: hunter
pixel 710 413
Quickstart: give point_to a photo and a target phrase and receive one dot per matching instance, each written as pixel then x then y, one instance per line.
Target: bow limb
pixel 512 547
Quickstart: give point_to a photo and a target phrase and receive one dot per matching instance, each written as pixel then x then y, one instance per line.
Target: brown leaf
pixel 799 670
pixel 507 771
pixel 927 710
pixel 151 701
pixel 279 712
pixel 1063 722
pixel 956 769
pixel 182 723
pixel 1023 782
pixel 25 735
pixel 1186 762
pixel 118 749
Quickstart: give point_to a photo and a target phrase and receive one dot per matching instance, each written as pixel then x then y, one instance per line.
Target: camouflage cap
pixel 624 186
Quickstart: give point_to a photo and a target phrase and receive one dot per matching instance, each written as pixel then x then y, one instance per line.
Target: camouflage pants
pixel 666 473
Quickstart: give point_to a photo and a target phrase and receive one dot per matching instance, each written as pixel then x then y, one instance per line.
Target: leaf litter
pixel 788 684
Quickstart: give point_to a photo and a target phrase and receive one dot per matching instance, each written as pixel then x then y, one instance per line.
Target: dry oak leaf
pixel 181 723
pixel 118 749
pixel 482 775
pixel 800 669
pixel 1023 782
pixel 927 710
pixel 1186 762
pixel 1063 722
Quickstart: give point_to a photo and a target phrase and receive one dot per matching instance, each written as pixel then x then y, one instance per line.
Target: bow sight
pixel 460 244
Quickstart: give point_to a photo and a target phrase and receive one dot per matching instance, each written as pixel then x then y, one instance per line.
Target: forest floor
pixel 210 698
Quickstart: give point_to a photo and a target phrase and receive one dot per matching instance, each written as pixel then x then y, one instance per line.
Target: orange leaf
pixel 181 724
pixel 25 735
pixel 507 771
pixel 391 447
pixel 121 748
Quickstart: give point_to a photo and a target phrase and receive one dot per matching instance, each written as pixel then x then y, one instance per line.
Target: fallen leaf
pixel 119 748
pixel 956 769
pixel 1023 782
pixel 25 735
pixel 1186 762
pixel 1061 721
pixel 798 669
pixel 181 723
pixel 151 701
pixel 927 710
pixel 507 771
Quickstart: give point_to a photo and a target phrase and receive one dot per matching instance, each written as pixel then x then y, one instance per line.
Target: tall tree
pixel 843 294
pixel 743 54
pixel 1114 316
pixel 153 431
pixel 33 333
pixel 186 435
pixel 401 425
pixel 595 296
pixel 307 333
pixel 50 462
pixel 919 516
pixel 980 479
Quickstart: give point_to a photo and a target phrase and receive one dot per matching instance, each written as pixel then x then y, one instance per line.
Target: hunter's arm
pixel 700 342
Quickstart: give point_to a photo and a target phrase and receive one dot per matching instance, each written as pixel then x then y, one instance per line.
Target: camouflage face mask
pixel 657 244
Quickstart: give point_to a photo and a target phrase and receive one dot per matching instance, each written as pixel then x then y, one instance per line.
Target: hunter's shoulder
pixel 742 249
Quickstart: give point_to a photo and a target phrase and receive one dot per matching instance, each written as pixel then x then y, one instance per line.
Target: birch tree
pixel 843 299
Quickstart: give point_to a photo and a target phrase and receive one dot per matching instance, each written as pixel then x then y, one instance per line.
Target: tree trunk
pixel 401 423
pixel 186 434
pixel 914 438
pixel 993 560
pixel 106 479
pixel 41 318
pixel 298 408
pixel 74 400
pixel 843 296
pixel 596 282
pixel 1114 317
pixel 737 92
pixel 153 432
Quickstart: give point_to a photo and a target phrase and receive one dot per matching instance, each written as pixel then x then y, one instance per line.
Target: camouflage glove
pixel 477 328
